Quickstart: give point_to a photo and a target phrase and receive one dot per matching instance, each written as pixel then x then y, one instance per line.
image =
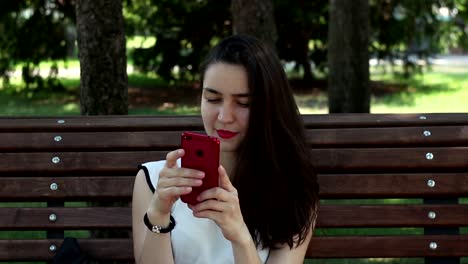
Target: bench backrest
pixel 401 177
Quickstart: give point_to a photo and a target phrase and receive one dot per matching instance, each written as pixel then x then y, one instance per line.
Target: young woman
pixel 264 210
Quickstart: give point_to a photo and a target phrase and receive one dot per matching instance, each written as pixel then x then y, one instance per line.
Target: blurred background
pixel 65 57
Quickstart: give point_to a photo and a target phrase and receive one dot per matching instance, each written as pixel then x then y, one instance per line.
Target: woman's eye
pixel 213 100
pixel 244 104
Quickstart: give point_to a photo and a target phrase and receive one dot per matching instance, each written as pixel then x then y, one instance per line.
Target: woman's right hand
pixel 173 182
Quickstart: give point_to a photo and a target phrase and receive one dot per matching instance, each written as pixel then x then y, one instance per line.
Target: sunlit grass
pixel 427 93
pixel 443 91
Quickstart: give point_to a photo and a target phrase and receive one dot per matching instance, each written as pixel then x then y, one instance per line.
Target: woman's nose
pixel 226 114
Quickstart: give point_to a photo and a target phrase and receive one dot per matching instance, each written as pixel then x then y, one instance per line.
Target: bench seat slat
pixel 68 188
pixel 369 159
pixel 392 215
pixel 383 120
pixel 329 216
pixel 328 160
pixel 375 137
pixel 69 141
pixel 404 185
pixel 116 249
pixel 76 162
pixel 332 186
pixel 387 246
pixel 99 123
pixel 67 218
pixel 151 140
pixel 320 247
pixel 160 122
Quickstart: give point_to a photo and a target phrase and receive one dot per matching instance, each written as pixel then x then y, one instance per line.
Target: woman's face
pixel 225 104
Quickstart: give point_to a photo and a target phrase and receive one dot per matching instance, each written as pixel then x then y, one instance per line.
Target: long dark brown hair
pixel 278 189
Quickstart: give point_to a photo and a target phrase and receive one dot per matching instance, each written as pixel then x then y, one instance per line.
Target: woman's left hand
pixel 221 204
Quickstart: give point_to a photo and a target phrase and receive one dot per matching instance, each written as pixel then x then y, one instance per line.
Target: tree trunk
pixel 255 18
pixel 103 66
pixel 103 62
pixel 348 57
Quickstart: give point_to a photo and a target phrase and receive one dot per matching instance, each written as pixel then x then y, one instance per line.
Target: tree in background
pixel 411 30
pixel 348 57
pixel 30 32
pixel 184 31
pixel 255 18
pixel 103 62
pixel 302 30
pixel 34 30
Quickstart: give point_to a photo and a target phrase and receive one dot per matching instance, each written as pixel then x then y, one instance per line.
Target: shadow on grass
pixel 403 92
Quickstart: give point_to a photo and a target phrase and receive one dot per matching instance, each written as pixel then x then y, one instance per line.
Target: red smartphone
pixel 201 153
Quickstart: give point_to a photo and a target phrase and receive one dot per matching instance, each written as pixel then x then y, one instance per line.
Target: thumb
pixel 224 181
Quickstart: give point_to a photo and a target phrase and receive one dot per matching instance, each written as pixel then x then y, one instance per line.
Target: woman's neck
pixel 228 160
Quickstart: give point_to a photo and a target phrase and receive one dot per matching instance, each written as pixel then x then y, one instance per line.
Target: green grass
pixel 440 91
pixel 431 92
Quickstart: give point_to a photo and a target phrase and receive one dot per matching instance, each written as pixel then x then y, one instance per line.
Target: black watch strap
pixel 159 229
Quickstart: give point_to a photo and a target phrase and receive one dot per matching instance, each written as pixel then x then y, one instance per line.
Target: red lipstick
pixel 226 134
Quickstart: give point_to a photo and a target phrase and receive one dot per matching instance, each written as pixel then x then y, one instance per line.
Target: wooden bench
pixel 393 186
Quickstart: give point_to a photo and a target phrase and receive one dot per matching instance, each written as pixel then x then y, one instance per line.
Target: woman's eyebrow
pixel 211 90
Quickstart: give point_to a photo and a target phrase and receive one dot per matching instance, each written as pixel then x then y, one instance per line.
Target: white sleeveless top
pixel 194 240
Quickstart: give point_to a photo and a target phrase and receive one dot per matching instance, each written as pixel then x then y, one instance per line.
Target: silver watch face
pixel 156 229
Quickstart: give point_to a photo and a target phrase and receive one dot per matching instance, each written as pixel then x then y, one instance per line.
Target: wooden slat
pixel 405 185
pixel 388 136
pixel 34 250
pixel 151 140
pixel 66 218
pixel 72 141
pixel 329 216
pixel 99 123
pixel 320 247
pixel 390 159
pixel 392 215
pixel 140 123
pixel 384 120
pixel 325 160
pixel 332 186
pixel 76 162
pixel 69 188
pixel 387 247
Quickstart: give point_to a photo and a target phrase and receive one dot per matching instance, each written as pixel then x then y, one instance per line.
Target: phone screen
pixel 201 153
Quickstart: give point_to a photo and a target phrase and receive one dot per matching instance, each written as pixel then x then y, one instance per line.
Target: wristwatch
pixel 159 229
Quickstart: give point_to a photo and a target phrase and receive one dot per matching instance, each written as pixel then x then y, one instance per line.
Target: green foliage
pixel 183 31
pixel 416 29
pixel 32 31
pixel 299 24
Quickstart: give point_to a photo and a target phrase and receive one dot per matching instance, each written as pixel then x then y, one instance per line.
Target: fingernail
pixel 180 151
pixel 201 174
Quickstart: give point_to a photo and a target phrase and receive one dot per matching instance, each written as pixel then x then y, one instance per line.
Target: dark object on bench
pixel 358 156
